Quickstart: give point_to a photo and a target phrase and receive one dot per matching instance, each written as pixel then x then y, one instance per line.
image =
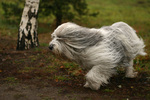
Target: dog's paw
pixel 133 75
pixel 86 85
pixel 92 86
pixel 95 86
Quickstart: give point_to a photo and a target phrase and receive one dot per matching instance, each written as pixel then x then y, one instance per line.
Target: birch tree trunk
pixel 27 34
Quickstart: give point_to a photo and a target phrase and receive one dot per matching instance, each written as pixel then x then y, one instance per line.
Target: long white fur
pixel 99 51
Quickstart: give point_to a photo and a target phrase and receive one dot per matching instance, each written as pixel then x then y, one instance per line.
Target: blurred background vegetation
pixel 89 13
pixel 51 13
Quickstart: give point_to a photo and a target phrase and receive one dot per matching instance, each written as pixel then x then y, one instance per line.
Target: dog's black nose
pixel 51 47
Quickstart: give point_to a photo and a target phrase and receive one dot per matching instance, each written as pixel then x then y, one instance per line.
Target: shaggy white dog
pixel 99 51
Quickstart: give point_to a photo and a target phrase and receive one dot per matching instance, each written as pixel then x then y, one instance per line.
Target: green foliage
pixel 60 9
pixel 63 9
pixel 13 9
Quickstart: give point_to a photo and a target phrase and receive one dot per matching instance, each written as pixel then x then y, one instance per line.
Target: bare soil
pixel 35 75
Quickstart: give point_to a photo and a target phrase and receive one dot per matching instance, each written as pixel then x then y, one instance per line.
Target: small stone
pixel 119 86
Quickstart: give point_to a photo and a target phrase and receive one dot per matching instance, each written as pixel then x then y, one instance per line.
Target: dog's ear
pixel 59 30
pixel 52 36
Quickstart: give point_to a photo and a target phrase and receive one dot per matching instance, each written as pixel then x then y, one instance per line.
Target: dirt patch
pixel 37 74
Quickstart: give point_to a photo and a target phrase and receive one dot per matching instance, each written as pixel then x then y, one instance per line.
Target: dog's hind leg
pixel 130 71
pixel 95 78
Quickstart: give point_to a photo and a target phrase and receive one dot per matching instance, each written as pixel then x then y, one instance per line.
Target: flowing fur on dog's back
pixel 133 45
pixel 122 38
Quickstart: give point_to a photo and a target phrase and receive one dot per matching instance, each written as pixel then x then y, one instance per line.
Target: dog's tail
pixel 142 52
pixel 132 44
pixel 133 47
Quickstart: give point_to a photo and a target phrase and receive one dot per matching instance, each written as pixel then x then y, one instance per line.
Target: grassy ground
pixel 38 74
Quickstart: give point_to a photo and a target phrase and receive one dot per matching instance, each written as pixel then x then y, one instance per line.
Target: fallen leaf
pixel 56 80
pixel 120 86
pixel 80 71
pixel 61 66
pixel 132 87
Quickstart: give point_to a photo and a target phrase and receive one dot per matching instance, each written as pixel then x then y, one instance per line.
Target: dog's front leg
pixel 95 78
pixel 87 85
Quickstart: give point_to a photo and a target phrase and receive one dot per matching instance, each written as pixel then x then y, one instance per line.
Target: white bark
pixel 27 35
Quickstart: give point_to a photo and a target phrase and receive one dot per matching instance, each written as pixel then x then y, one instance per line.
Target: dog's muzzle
pixel 51 46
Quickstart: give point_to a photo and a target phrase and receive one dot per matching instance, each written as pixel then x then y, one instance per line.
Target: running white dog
pixel 99 51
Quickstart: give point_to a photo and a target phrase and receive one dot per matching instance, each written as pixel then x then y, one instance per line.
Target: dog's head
pixel 60 39
pixel 71 39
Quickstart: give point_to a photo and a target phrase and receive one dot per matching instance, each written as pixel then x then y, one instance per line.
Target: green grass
pixel 44 44
pixel 61 78
pixel 130 11
pixel 10 79
pixel 108 90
